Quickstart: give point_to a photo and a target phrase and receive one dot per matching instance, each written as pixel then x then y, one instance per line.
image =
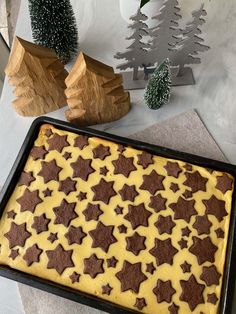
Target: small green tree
pixel 157 92
pixel 54 26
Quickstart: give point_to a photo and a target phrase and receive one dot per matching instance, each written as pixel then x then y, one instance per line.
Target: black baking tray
pixel 74 295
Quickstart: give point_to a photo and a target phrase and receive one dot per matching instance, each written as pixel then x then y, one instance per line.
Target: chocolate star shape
pixel 75 235
pixel 65 213
pixel 102 236
pixel 188 167
pixel 186 267
pixel 164 291
pixel 183 243
pixel 67 155
pixel 165 224
pixel 163 251
pixel 59 259
pixel 29 200
pixel 215 207
pixel 173 169
pixel 11 214
pixel 185 232
pixel 106 289
pixel 119 210
pixel 121 148
pixel 140 303
pixel 158 203
pixel 49 171
pixel 137 216
pixel 74 277
pixel 202 225
pixel 93 266
pixel 92 212
pixel 150 268
pixel 82 168
pixel 26 178
pixel 40 223
pixel 135 243
pixel 174 187
pixel 101 152
pixel 58 142
pixel 124 165
pixel 192 292
pixel 128 193
pixel 111 262
pixel 188 194
pixel 82 196
pixel 103 191
pixel 17 235
pixel 195 181
pixel 144 159
pixel 52 237
pixel 38 152
pixel 210 275
pixel 67 186
pixel 173 308
pixel 220 233
pixel 131 276
pixel 103 171
pixel 48 132
pixel 122 229
pixel 47 192
pixel 152 182
pixel 32 255
pixel 224 183
pixel 14 253
pixel 81 141
pixel 203 249
pixel 212 298
pixel 183 209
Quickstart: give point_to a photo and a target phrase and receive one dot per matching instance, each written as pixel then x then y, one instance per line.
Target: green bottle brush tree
pixel 54 26
pixel 157 92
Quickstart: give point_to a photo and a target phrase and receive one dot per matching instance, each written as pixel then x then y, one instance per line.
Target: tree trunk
pixel 181 70
pixel 135 74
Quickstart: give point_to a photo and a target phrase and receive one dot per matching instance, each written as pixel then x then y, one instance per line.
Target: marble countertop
pixel 102 33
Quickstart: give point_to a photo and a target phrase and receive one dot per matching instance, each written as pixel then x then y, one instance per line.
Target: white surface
pixel 130 7
pixel 102 31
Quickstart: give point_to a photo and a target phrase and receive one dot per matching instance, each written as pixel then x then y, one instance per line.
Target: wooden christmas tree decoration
pixel 95 93
pixel 38 77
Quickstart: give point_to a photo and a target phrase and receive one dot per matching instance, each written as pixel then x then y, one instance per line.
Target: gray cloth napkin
pixel 185 132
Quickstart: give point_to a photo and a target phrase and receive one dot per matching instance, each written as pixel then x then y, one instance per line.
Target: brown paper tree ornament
pixel 38 77
pixel 95 93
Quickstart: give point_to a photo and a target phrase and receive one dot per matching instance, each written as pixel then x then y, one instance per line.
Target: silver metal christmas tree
pixel 181 46
pixel 136 53
pixel 165 35
pixel 187 51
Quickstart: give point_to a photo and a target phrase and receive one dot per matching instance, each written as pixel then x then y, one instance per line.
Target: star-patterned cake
pixel 142 231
